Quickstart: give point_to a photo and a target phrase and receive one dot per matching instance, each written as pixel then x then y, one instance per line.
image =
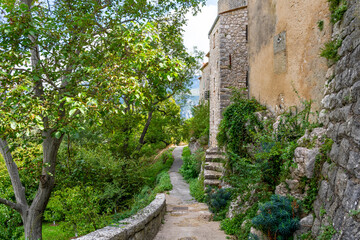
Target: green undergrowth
pixel 162 183
pixel 259 156
pixel 330 50
pixel 337 9
pixel 197 188
pixel 190 170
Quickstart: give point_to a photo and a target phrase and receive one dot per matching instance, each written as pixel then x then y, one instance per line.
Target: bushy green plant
pixel 218 200
pixel 337 9
pixel 198 126
pixel 278 218
pixel 191 164
pixel 163 183
pixel 237 124
pixel 197 189
pixel 330 50
pixel 79 207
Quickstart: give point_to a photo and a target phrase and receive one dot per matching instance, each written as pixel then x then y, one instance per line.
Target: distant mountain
pixel 191 100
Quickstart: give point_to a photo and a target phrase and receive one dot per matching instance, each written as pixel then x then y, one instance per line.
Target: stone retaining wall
pixel 142 226
pixel 338 202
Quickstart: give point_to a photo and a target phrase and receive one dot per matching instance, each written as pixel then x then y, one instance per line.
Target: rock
pixel 305 159
pixel 258 233
pixel 340 182
pixel 194 145
pixel 305 225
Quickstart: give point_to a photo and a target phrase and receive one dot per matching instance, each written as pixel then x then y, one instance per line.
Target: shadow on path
pixel 186 219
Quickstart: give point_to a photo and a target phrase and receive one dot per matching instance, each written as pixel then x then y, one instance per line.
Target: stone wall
pixel 142 226
pixel 284 48
pixel 339 192
pixel 204 83
pixel 228 58
pixel 214 85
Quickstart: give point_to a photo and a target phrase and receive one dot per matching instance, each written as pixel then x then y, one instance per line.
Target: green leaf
pixel 58 135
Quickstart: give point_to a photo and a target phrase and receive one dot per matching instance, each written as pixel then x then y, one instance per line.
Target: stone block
pixel 316 227
pixel 324 187
pixel 353 165
pixel 341 182
pixel 339 218
pixel 355 131
pixel 332 174
pixel 351 196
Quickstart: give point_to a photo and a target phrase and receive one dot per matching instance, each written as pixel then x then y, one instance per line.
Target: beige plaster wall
pixel 274 78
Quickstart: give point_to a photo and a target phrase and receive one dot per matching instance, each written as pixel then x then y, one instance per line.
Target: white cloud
pixel 198 27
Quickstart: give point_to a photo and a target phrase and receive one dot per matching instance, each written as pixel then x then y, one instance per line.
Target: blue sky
pixel 198 27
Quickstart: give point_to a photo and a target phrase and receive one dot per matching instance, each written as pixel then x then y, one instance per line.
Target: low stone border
pixel 142 226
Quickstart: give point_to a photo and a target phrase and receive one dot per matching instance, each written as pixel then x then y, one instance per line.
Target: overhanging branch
pixel 11 204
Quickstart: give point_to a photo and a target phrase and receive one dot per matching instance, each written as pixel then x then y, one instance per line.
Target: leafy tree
pixel 73 62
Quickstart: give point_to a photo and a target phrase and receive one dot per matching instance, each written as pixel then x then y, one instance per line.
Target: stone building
pixel 227 68
pixel 204 83
pixel 285 42
pixel 227 58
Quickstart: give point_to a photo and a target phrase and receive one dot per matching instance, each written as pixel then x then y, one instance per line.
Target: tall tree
pixel 70 61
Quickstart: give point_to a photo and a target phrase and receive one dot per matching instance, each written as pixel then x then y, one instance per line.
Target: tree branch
pixel 8 203
pixel 13 171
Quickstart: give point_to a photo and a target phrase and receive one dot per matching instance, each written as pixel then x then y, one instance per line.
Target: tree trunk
pixel 142 138
pixel 32 217
pixel 32 224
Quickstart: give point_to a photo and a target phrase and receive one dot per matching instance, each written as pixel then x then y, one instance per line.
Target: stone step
pixel 209 174
pixel 211 182
pixel 214 158
pixel 213 150
pixel 214 166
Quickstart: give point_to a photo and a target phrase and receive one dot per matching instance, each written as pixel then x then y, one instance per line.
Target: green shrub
pixel 238 123
pixel 278 218
pixel 163 183
pixel 337 9
pixel 197 189
pixel 191 164
pixel 330 51
pixel 198 126
pixel 218 200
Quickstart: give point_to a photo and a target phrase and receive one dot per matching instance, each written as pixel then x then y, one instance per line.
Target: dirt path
pixel 186 219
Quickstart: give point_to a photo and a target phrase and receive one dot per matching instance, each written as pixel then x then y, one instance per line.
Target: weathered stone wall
pixel 339 192
pixel 233 53
pixel 214 86
pixel 142 226
pixel 204 83
pixel 284 48
pixel 228 58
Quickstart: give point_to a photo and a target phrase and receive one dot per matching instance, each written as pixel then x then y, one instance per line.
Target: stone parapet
pixel 142 226
pixel 229 5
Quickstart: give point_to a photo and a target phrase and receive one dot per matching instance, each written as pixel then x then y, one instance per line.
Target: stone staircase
pixel 213 169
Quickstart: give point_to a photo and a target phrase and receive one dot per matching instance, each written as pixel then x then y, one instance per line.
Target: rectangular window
pixel 230 61
pixel 246 33
pixel 247 79
pixel 214 40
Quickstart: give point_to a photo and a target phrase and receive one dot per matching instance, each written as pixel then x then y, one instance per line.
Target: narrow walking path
pixel 186 219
